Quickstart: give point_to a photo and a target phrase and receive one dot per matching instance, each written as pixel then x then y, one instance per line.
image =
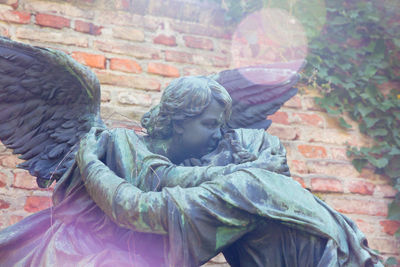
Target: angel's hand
pixel 92 146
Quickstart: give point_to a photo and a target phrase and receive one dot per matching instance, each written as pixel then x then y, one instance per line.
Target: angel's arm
pixel 268 149
pixel 171 175
pixel 269 152
pixel 155 171
pixel 184 213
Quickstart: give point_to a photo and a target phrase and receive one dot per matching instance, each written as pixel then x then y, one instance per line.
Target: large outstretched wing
pixel 48 102
pixel 258 92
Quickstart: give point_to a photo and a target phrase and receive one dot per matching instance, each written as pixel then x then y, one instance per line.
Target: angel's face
pixel 200 135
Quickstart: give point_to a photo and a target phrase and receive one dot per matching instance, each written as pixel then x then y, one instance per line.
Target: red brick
pixel 339 153
pixel 127 49
pixel 220 62
pixel 280 117
pixel 359 206
pixel 332 168
pixel 91 60
pixel 128 33
pixel 125 65
pixel 364 226
pixel 4 204
pixel 162 69
pixel 299 180
pixel 294 102
pixel 58 37
pixel 198 42
pixel 2 182
pixel 4 32
pixel 327 136
pixel 128 19
pixel 309 104
pixel 10 161
pixel 199 29
pixel 385 191
pixel 308 119
pixel 52 21
pixel 384 245
pixel 122 4
pixel 13 3
pixel 87 27
pixel 297 166
pixel 181 57
pixel 361 187
pixel 225 47
pixel 22 179
pixel 132 98
pixel 284 133
pixel 37 203
pixel 14 219
pixel 128 81
pixel 16 16
pixel 60 8
pixel 326 185
pixel 310 151
pixel 105 96
pixel 194 71
pixel 165 40
pixel 216 61
pixel 3 179
pixel 369 173
pixel 390 227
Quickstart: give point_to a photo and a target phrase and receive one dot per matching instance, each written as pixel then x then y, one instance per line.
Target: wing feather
pixel 258 92
pixel 44 94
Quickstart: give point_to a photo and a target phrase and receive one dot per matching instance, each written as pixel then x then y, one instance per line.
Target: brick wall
pixel 136 48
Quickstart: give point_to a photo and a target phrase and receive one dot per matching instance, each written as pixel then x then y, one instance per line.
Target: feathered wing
pixel 48 102
pixel 258 92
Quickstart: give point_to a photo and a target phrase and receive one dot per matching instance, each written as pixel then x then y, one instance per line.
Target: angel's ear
pixel 177 127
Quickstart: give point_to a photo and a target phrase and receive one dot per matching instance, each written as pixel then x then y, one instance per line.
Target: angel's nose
pixel 217 135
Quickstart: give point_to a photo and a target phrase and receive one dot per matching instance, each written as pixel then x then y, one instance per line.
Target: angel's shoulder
pixel 258 137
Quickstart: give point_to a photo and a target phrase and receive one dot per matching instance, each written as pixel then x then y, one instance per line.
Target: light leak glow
pixel 270 36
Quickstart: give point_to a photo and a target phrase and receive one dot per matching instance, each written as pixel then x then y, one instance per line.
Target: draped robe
pixel 138 209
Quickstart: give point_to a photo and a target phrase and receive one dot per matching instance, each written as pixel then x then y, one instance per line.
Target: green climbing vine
pixel 354 49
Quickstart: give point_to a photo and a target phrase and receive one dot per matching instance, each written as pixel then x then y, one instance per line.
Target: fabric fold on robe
pixel 76 232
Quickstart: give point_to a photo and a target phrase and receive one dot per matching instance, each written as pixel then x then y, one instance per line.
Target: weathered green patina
pixel 188 190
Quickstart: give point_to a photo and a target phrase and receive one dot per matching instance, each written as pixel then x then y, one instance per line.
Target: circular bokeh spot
pixel 271 37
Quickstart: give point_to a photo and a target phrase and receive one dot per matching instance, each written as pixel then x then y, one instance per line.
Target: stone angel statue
pixel 205 179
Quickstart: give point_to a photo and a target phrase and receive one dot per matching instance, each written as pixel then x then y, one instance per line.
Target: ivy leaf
pixel 379 163
pixel 344 124
pixel 369 122
pixel 338 21
pixel 394 211
pixel 377 132
pixel 334 80
pixel 359 164
pixel 349 85
pixel 364 110
pixel 396 42
pixel 370 70
pixel 380 79
pixel 391 261
pixel 385 105
pixel 371 47
pixel 393 168
pixel 394 151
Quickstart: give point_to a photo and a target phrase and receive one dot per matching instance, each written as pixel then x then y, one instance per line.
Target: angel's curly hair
pixel 183 98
